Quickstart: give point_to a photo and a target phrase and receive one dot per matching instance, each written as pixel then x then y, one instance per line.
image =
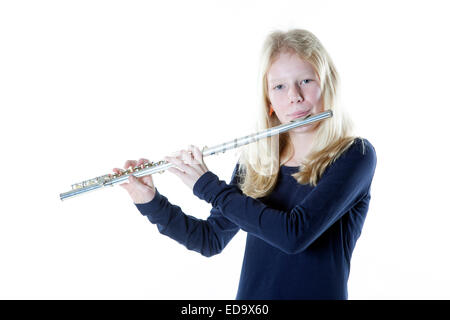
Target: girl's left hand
pixel 188 165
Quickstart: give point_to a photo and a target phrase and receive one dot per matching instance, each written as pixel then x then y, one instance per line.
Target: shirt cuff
pixel 208 187
pixel 153 206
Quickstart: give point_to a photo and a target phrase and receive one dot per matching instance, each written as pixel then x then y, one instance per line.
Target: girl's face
pixel 293 89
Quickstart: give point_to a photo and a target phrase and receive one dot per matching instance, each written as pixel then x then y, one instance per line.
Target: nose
pixel 295 94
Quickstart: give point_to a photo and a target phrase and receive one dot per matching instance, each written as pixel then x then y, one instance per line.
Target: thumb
pixel 137 184
pixel 126 186
pixel 147 180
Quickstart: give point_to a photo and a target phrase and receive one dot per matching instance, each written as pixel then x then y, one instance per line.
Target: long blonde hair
pixel 260 161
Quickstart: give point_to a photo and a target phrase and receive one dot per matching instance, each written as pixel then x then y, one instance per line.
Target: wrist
pixel 150 201
pixel 145 199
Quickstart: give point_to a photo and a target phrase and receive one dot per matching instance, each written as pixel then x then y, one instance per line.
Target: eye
pixel 278 87
pixel 306 81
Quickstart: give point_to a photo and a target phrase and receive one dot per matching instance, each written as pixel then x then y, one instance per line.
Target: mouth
pixel 299 114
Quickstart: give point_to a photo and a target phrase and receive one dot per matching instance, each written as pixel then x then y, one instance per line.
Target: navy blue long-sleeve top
pixel 300 238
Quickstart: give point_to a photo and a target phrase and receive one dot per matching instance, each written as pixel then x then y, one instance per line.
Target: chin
pixel 306 129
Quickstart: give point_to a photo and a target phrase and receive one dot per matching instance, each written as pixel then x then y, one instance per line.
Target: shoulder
pixel 357 155
pixel 363 149
pixel 354 167
pixel 360 154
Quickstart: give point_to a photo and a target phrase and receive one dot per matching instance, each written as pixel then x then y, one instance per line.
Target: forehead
pixel 288 64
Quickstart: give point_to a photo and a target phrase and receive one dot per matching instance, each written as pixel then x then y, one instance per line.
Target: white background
pixel 85 85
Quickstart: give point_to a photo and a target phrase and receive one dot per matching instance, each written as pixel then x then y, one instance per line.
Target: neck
pixel 302 143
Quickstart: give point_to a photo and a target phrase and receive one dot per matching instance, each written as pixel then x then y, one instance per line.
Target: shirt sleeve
pixel 208 237
pixel 343 184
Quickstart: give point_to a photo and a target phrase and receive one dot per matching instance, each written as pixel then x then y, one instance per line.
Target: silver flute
pixel 154 167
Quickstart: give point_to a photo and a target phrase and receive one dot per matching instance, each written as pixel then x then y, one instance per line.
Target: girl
pixel 302 196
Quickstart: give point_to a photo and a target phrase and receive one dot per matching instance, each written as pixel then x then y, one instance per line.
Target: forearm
pixel 204 236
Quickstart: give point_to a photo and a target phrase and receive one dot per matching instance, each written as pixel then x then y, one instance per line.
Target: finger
pixel 189 156
pixel 148 180
pixel 118 171
pixel 183 155
pixel 134 182
pixel 125 186
pixel 129 163
pixel 142 161
pixel 179 164
pixel 198 156
pixel 186 157
pixel 176 171
pixel 196 153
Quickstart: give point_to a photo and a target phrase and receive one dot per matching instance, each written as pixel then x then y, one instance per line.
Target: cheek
pixel 277 100
pixel 274 100
pixel 314 94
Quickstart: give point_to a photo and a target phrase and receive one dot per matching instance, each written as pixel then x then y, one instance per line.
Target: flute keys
pixel 161 163
pixel 113 176
pixel 148 164
pixel 90 182
pixel 77 186
pixel 117 174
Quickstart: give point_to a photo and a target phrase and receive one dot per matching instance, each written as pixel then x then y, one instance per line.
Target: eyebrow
pixel 306 75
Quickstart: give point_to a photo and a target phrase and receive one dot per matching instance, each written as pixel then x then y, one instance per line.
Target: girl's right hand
pixel 142 189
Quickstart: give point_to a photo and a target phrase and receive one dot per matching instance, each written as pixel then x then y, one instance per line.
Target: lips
pixel 299 114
